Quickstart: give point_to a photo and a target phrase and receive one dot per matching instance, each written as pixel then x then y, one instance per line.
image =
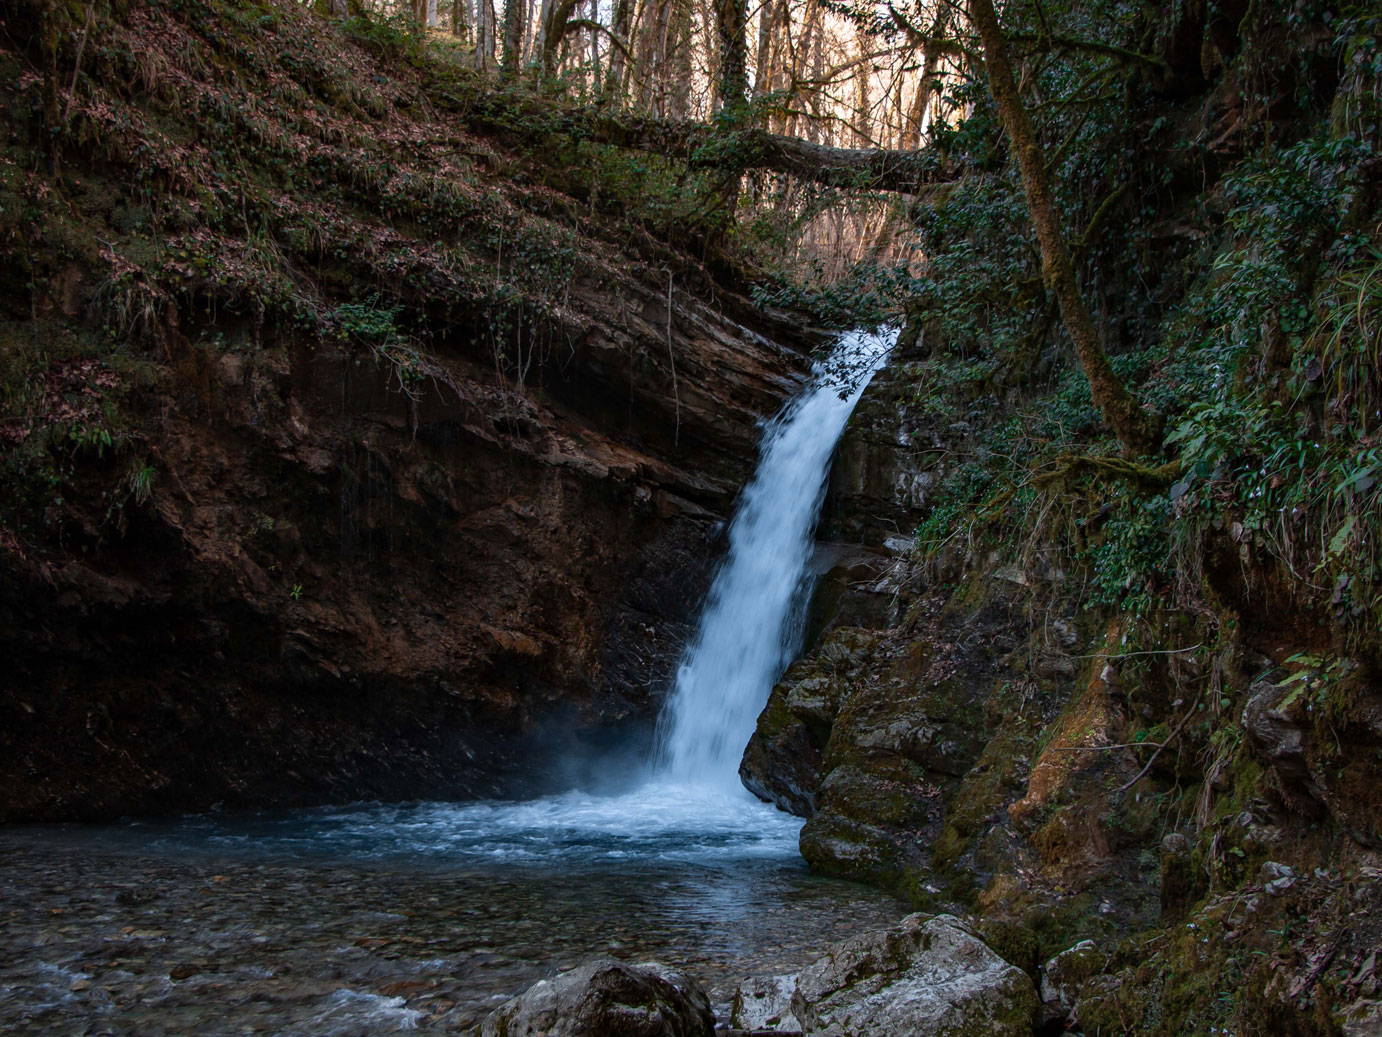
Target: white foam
pixel 747 635
pixel 351 1012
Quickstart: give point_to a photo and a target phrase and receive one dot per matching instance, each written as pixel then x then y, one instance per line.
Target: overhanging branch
pixel 707 146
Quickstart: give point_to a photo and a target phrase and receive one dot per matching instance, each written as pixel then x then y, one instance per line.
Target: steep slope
pixel 1135 701
pixel 342 458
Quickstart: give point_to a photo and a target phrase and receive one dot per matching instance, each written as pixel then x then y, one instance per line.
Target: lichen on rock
pixel 928 976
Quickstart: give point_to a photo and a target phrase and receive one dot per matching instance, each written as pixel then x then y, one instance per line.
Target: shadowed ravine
pixel 376 918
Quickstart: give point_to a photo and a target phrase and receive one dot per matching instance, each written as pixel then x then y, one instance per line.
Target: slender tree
pixel 915 125
pixel 513 38
pixel 731 34
pixel 678 64
pixel 1132 425
pixel 484 34
pixel 616 70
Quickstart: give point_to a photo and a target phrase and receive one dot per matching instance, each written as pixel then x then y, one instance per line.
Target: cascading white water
pixel 691 808
pixel 746 635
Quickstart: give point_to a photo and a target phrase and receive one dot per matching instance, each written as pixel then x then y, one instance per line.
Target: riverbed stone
pixel 765 1003
pixel 607 998
pixel 928 976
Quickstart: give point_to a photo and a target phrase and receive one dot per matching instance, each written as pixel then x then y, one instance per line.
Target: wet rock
pixel 1281 743
pixel 878 483
pixel 1315 771
pixel 907 730
pixel 783 761
pixel 928 976
pixel 1278 738
pixel 607 998
pixel 1063 975
pixel 1099 998
pixel 1363 1019
pixel 765 1004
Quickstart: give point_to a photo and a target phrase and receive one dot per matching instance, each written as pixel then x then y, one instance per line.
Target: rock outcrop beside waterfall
pixel 358 504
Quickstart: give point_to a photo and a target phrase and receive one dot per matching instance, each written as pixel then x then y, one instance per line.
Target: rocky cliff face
pixel 335 590
pixel 965 731
pixel 340 466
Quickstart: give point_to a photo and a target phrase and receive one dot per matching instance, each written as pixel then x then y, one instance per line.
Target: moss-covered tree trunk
pixel 48 22
pixel 731 31
pixel 514 11
pixel 1132 425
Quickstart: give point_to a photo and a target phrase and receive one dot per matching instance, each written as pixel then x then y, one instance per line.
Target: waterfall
pixel 692 808
pixel 747 634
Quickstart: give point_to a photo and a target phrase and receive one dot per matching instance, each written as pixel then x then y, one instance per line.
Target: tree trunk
pixel 731 33
pixel 760 64
pixel 595 79
pixel 863 106
pixel 930 65
pixel 484 43
pixel 679 61
pixel 513 38
pixel 699 145
pixel 1132 425
pixel 460 18
pixel 653 57
pixel 816 17
pixel 618 63
pixel 48 33
pixel 533 50
pixel 732 87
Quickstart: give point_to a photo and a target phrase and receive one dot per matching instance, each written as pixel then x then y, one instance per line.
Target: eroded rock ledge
pixel 336 590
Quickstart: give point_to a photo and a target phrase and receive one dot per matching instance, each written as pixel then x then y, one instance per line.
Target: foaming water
pixel 661 822
pixel 747 634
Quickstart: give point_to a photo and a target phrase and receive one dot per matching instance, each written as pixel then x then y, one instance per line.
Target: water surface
pixel 384 919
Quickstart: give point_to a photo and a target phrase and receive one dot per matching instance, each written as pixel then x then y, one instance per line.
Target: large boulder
pixel 607 998
pixel 928 976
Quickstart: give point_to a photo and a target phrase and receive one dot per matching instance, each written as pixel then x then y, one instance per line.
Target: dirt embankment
pixel 338 463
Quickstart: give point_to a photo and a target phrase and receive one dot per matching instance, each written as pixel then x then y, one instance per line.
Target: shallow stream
pixel 386 919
